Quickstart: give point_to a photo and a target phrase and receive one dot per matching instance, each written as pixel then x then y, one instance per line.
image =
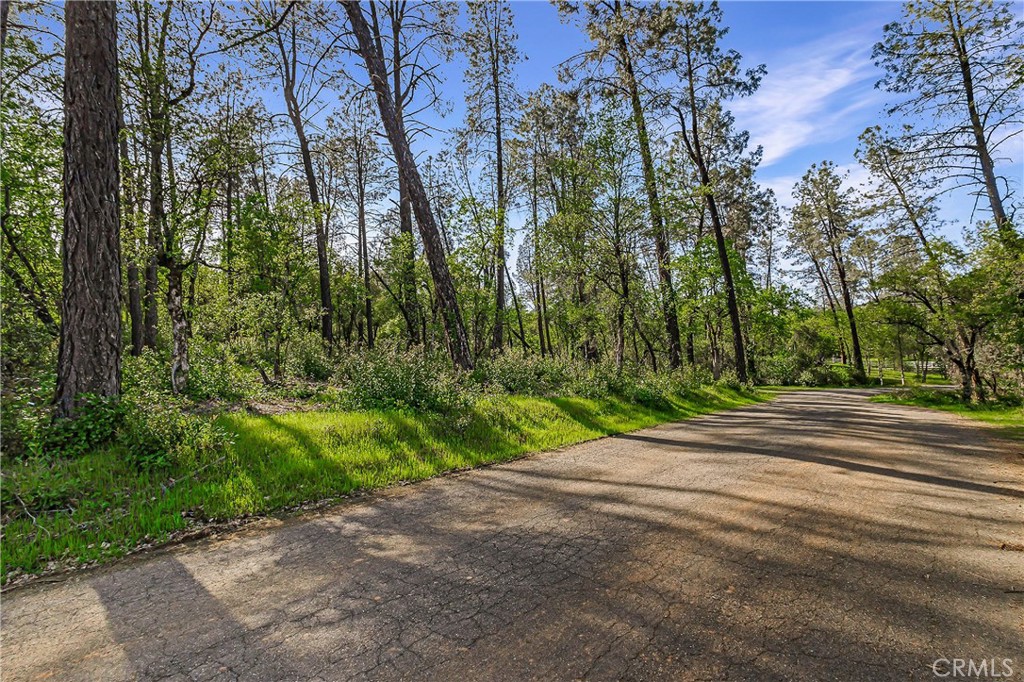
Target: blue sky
pixel 817 97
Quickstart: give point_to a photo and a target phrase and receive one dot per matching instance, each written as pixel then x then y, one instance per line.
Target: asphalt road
pixel 816 537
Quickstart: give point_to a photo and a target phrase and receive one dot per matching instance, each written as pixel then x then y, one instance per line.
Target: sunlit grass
pixel 98 507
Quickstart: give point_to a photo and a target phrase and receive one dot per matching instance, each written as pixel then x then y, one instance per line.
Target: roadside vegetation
pixel 154 467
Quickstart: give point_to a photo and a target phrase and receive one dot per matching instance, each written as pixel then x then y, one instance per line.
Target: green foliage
pixel 307 358
pixel 521 374
pixel 524 374
pixel 216 373
pixel 24 415
pixel 159 431
pixel 96 421
pixel 930 397
pixel 832 375
pixel 33 486
pixel 405 381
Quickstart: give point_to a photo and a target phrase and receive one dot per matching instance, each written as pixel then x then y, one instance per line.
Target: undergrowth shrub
pixel 217 374
pixel 778 370
pixel 831 375
pixel 401 381
pixel 97 420
pixel 307 358
pixel 921 395
pixel 34 486
pixel 728 379
pixel 24 414
pixel 521 374
pixel 160 431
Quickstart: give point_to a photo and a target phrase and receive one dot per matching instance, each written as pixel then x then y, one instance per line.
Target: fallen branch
pixel 35 521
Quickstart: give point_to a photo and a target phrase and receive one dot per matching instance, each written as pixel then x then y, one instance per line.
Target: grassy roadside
pixel 98 507
pixel 1007 418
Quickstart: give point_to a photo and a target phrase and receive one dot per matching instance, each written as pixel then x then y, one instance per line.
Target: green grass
pixel 1007 418
pixel 99 507
pixel 892 378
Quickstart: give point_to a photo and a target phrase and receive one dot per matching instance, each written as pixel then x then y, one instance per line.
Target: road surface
pixel 816 537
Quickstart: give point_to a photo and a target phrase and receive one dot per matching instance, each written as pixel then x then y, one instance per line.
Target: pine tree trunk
pixel 539 279
pixel 135 313
pixel 730 290
pixel 858 359
pixel 155 229
pixel 407 268
pixel 661 248
pixel 519 313
pixel 407 283
pixel 696 152
pixel 497 342
pixel 988 173
pixel 89 359
pixel 455 330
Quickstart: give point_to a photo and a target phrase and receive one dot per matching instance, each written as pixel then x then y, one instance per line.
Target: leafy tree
pixel 30 184
pixel 823 227
pixel 959 64
pixel 489 44
pixel 371 52
pixel 710 77
pixel 931 285
pixel 412 38
pixel 352 148
pixel 304 61
pixel 625 35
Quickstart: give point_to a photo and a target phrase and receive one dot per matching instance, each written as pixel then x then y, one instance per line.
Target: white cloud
pixel 782 186
pixel 812 94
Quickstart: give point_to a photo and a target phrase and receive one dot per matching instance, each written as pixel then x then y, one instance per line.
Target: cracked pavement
pixel 815 537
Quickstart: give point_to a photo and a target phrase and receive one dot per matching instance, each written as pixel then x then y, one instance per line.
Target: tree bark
pixel 323 267
pixel 844 286
pixel 696 153
pixel 364 265
pixel 538 277
pixel 407 284
pixel 89 359
pixel 497 342
pixel 135 312
pixel 455 330
pixel 179 327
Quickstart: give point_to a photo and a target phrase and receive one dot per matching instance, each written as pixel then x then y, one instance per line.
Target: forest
pixel 249 263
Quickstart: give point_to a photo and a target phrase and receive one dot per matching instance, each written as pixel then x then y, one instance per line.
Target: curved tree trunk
pixel 455 330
